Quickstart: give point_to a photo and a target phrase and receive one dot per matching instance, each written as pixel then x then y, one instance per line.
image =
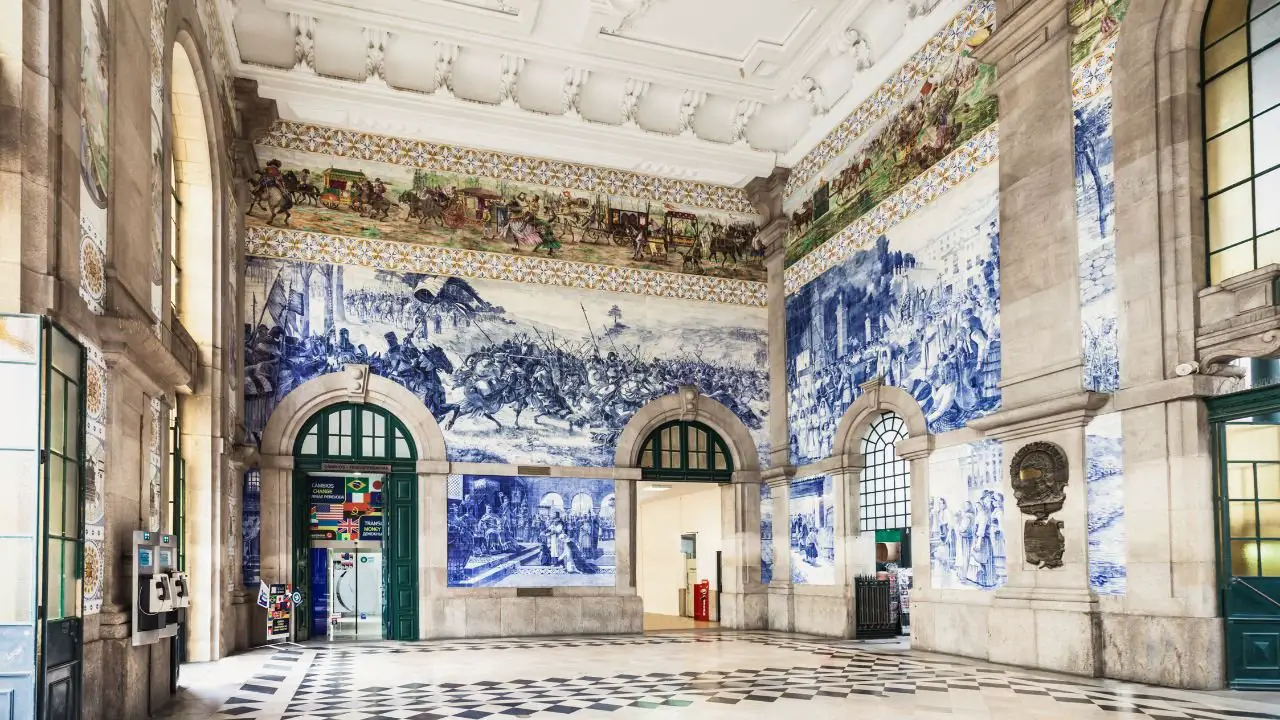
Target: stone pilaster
pixel 1039 277
pixel 781 608
pixel 1047 617
pixel 743 603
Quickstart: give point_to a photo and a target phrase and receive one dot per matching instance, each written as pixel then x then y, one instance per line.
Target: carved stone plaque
pixel 1039 476
pixel 1043 543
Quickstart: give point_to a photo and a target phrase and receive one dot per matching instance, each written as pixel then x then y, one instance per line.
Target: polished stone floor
pixel 720 675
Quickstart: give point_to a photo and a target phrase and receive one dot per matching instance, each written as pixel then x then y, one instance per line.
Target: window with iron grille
pixel 885 491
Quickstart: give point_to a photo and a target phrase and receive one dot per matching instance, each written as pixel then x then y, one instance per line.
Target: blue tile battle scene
pixel 517 374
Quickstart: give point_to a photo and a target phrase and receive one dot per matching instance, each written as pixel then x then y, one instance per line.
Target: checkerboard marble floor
pixel 699 675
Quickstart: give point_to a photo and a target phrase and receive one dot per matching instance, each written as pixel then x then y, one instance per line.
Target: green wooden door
pixel 1248 457
pixel 362 438
pixel 302 554
pixel 400 557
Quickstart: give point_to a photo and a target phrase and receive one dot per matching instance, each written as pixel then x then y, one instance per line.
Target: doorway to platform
pixel 355 526
pixel 685 467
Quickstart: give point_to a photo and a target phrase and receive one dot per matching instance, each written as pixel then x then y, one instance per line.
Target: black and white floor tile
pixel 697 675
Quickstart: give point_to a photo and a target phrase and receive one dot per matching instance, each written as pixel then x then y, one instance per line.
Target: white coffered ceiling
pixel 715 90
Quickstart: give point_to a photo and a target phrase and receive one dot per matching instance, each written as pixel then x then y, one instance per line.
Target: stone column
pixel 1039 276
pixel 275 538
pixel 916 450
pixel 1045 618
pixel 743 604
pixel 433 546
pixel 856 551
pixel 781 610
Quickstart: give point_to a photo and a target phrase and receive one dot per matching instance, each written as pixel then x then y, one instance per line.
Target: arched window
pixel 1240 63
pixel 355 433
pixel 885 492
pixel 686 451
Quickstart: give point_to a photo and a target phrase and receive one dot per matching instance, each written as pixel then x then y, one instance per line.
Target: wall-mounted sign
pixel 355 468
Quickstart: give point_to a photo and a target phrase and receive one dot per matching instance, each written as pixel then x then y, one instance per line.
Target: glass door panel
pixel 1249 490
pixel 355 593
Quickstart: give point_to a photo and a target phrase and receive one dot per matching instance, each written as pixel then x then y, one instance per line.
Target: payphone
pixel 160 592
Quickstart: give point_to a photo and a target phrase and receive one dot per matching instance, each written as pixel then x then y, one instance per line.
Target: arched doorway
pixel 189 272
pixel 355 525
pixel 685 466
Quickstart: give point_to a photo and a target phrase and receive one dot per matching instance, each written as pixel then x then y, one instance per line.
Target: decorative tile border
pixel 96 393
pixel 411 257
pixel 502 166
pixel 981 150
pixel 947 42
pixel 1094 74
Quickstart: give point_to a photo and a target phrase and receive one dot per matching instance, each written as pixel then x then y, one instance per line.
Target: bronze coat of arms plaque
pixel 1039 475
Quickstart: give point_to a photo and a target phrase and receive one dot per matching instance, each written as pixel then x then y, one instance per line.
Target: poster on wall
pixel 346 508
pixel 919 308
pixel 512 372
pixel 967 548
pixel 531 532
pixel 812 528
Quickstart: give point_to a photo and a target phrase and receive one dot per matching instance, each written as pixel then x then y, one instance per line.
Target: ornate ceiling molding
pixel 714 88
pixel 312 247
pixel 503 166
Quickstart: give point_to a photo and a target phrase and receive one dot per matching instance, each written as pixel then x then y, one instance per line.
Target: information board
pixel 279 612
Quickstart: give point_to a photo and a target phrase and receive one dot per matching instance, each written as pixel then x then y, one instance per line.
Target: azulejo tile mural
pixel 513 372
pixel 967 547
pixel 95 475
pixel 766 534
pixel 812 531
pixel 95 157
pixel 359 185
pixel 1095 51
pixel 935 103
pixel 409 257
pixel 920 309
pixel 1104 472
pixel 530 532
pixel 968 160
pixel 159 11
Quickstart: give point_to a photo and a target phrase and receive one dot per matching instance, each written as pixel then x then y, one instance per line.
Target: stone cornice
pixel 1075 410
pixel 134 345
pixel 1026 32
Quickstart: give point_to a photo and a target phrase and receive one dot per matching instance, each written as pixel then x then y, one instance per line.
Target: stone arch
pixel 688 405
pixel 353 384
pixel 190 128
pixel 1158 140
pixel 869 405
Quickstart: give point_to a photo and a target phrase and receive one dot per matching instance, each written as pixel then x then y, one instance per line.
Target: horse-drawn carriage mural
pixel 352 197
pixel 340 187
